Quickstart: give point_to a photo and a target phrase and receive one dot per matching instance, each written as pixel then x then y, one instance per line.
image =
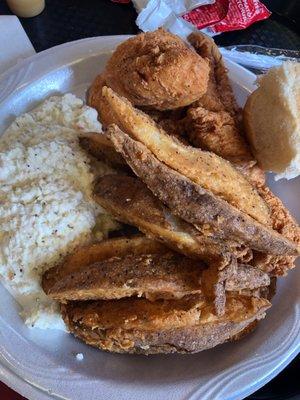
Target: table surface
pixel 64 21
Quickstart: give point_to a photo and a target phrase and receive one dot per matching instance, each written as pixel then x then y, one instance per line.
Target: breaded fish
pixel 164 326
pixel 195 204
pixel 153 276
pixel 204 168
pixel 130 201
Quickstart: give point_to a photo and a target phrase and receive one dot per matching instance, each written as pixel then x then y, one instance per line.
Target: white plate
pixel 42 364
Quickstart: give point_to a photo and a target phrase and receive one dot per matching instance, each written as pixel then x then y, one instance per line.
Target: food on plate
pixel 130 201
pixel 285 224
pixel 204 168
pixel 154 69
pixel 99 251
pixel 140 326
pixel 154 275
pixel 219 95
pixel 100 147
pixel 46 203
pixel 196 205
pixel 247 277
pixel 214 121
pixel 171 162
pixel 272 122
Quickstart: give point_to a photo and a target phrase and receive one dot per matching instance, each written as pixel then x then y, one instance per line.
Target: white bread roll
pixel 272 120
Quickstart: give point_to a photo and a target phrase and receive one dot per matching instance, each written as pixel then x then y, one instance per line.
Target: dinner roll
pixel 271 118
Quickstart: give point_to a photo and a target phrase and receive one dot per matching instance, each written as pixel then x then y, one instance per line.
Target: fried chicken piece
pixel 219 96
pixel 214 122
pixel 285 224
pixel 154 69
pixel 164 326
pixel 195 204
pixel 217 131
pixel 204 168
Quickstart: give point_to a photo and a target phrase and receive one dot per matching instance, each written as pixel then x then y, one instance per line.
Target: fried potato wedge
pixel 153 276
pixel 104 250
pixel 204 168
pixel 164 326
pixel 247 277
pixel 130 201
pixel 195 204
pixel 100 147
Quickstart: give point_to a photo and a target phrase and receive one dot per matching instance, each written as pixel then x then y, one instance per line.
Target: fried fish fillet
pixel 195 204
pixel 153 276
pixel 204 168
pixel 164 326
pixel 130 201
pixel 100 147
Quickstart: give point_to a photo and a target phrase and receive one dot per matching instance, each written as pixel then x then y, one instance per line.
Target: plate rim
pixel 12 379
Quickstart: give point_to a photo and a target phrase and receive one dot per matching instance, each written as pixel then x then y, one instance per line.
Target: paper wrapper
pixel 185 16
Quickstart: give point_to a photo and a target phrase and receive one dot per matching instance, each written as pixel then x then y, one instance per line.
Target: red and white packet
pixel 227 15
pixel 180 16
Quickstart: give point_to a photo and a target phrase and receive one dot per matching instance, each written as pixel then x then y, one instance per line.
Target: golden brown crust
pixel 204 168
pixel 285 224
pixel 95 100
pixel 157 70
pixel 130 201
pixel 137 325
pixel 100 147
pixel 219 133
pixel 220 96
pixel 97 252
pixel 153 276
pixel 196 205
pixel 214 121
pixel 247 278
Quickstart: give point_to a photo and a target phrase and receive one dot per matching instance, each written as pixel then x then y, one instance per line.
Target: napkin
pixel 166 13
pixel 14 43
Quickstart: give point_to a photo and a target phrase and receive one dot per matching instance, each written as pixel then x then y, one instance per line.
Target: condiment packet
pixel 185 16
pixel 227 15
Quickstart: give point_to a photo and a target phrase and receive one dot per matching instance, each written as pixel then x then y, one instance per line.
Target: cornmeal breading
pixel 164 326
pixel 196 205
pixel 154 69
pixel 153 276
pixel 204 168
pixel 131 202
